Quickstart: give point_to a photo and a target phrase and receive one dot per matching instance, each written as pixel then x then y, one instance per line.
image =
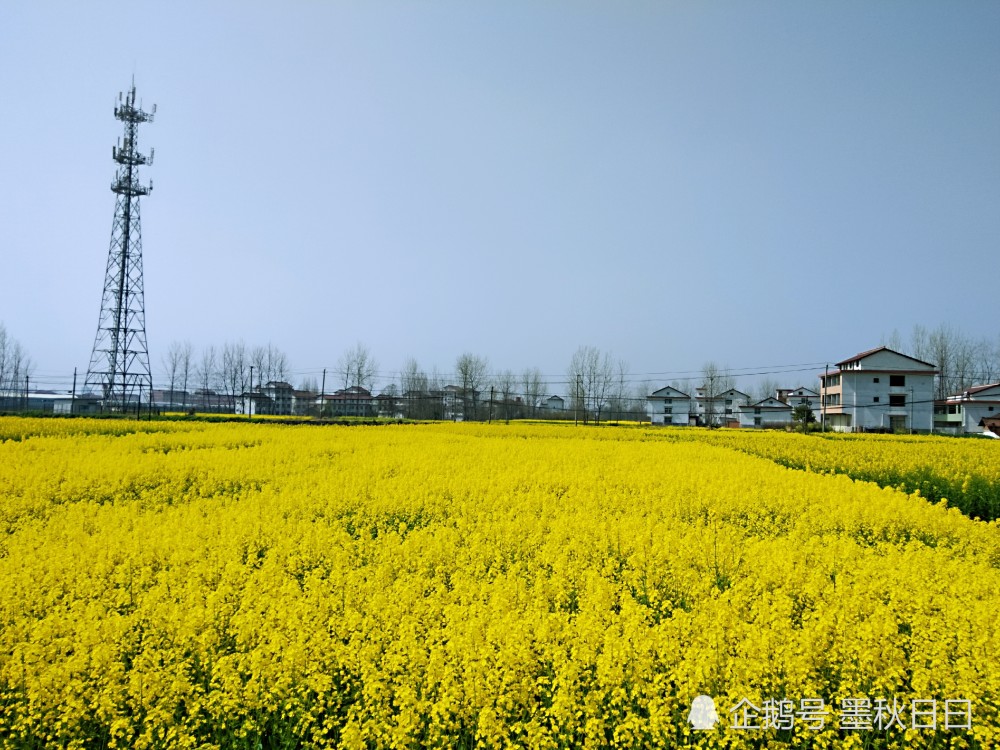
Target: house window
pixel 756 421
pixel 667 401
pixel 897 380
pixel 729 402
pixel 756 410
pixel 897 399
pixel 729 411
pixel 668 410
pixel 876 400
pixel 874 380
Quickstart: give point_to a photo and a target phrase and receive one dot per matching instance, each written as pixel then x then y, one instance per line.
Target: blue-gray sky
pixel 674 182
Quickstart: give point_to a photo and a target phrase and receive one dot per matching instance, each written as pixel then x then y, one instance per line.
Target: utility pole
pixel 322 397
pixel 72 400
pixel 711 401
pixel 250 397
pixel 26 393
pixel 822 396
pixel 490 418
pixel 579 396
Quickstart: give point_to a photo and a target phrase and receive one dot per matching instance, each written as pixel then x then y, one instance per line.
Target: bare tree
pixel 639 401
pixel 357 367
pixel 987 355
pixel 413 384
pixel 963 364
pixel 506 383
pixel 185 370
pixel 172 366
pixel 592 376
pixel 765 388
pixel 531 386
pixel 940 349
pixel 619 403
pixel 235 371
pixel 894 341
pixel 206 373
pixel 471 370
pixel 15 365
pixel 715 381
pixel 684 386
pixel 919 347
pixel 434 404
pixel 277 362
pixel 410 376
pixel 258 360
pixel 270 364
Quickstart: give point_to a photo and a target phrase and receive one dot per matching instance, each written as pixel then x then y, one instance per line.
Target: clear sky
pixel 758 184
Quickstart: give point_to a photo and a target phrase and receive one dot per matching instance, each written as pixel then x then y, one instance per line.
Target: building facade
pixel 963 412
pixel 721 409
pixel 877 390
pixel 796 397
pixel 668 406
pixel 766 413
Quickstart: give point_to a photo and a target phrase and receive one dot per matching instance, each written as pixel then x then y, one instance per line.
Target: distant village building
pixel 304 403
pixel 46 402
pixel 768 412
pixel 964 412
pixel 280 395
pixel 254 402
pixel 552 403
pixel 453 400
pixel 668 406
pixel 991 426
pixel 880 389
pixel 800 396
pixel 389 405
pixel 169 400
pixel 355 401
pixel 721 409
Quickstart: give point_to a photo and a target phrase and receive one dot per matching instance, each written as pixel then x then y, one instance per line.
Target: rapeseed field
pixel 191 585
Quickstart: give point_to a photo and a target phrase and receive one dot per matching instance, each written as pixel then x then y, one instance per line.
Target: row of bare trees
pixel 477 391
pixel 219 375
pixel 961 360
pixel 601 388
pixel 15 367
pixel 598 388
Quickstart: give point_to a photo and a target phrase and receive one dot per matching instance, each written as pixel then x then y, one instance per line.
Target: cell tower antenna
pixel 119 363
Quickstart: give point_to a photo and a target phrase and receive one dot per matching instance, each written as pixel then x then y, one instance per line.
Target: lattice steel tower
pixel 119 364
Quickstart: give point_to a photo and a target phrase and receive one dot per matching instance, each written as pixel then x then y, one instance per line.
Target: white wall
pixel 679 410
pixel 860 390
